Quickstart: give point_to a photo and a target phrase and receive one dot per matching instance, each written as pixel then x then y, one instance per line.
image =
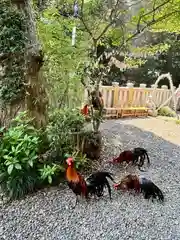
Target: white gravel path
pixel 45 215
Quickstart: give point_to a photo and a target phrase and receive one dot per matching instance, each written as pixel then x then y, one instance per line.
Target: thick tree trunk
pixel 36 100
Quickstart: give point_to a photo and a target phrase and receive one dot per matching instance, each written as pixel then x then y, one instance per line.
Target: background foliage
pixel 63 62
pixel 12 45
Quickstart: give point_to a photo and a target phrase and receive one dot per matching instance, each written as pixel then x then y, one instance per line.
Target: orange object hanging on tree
pixel 97 103
pixel 85 110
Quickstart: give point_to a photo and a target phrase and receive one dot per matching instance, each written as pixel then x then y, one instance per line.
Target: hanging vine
pixel 12 52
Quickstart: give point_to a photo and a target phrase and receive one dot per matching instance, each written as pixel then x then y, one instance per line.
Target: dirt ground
pixel 161 126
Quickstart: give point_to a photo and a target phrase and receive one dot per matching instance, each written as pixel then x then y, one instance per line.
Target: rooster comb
pixel 69 160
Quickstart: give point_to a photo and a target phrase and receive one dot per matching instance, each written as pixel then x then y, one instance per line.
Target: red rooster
pixel 137 157
pixel 125 156
pixel 93 185
pixel 140 184
pixel 75 181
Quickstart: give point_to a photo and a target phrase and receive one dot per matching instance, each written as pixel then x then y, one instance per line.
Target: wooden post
pixel 144 94
pixel 142 85
pixel 116 94
pixel 131 94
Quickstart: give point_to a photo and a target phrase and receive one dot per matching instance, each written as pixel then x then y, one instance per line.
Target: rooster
pixel 140 184
pixel 93 185
pixel 137 157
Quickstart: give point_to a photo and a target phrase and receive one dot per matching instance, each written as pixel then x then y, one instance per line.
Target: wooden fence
pixel 121 97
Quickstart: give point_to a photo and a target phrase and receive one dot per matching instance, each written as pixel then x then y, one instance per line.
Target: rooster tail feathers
pixel 151 190
pixel 159 193
pixel 146 153
pixel 97 181
pixel 108 175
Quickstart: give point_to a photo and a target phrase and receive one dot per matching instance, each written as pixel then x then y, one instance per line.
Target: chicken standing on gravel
pixel 93 185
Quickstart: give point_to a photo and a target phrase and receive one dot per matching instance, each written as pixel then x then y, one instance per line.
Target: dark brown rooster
pixel 93 185
pixel 136 157
pixel 140 184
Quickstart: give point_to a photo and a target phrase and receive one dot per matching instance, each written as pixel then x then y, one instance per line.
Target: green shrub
pixel 19 157
pixel 49 173
pixel 80 160
pixel 166 111
pixel 21 167
pixel 63 123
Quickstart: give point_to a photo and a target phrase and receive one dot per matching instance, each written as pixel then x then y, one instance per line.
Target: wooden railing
pixel 121 97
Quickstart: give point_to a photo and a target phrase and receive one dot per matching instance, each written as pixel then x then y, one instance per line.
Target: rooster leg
pixel 77 200
pixel 141 163
pixel 109 188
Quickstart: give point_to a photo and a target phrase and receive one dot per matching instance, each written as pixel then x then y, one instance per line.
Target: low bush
pixel 19 157
pixel 23 169
pixel 50 173
pixel 63 124
pixel 166 111
pixel 92 142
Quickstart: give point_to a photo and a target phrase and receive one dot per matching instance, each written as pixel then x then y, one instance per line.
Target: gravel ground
pixel 46 215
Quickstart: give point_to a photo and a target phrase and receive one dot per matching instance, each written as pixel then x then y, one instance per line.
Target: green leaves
pixel 30 162
pixel 63 123
pixel 48 171
pixel 60 69
pixel 13 41
pixel 10 168
pixel 18 166
pixel 19 157
pixel 49 179
pixel 12 163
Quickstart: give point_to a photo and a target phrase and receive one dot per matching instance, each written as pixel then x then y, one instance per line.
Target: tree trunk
pixel 36 100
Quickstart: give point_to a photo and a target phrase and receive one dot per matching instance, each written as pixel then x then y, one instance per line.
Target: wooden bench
pixel 111 113
pixel 125 112
pixel 134 112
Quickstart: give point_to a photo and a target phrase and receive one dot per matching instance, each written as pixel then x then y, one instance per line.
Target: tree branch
pixel 155 8
pixel 150 12
pixel 105 29
pixel 83 22
pixel 112 21
pixel 86 27
pixel 148 24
